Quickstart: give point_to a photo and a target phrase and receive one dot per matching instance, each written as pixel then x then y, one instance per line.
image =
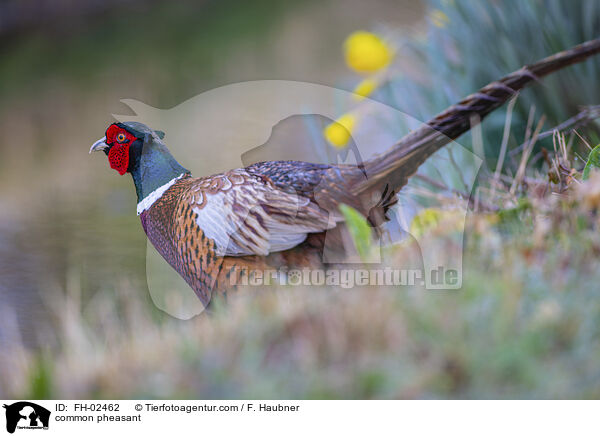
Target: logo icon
pixel 26 415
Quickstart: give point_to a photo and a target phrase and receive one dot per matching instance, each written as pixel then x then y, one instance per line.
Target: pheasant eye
pixel 121 137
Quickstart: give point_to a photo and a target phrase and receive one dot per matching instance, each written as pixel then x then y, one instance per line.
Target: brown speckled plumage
pixel 172 225
pixel 169 224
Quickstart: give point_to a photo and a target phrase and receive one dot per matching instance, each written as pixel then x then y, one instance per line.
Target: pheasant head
pixel 135 148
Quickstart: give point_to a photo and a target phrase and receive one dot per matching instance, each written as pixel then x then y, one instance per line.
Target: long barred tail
pixel 394 167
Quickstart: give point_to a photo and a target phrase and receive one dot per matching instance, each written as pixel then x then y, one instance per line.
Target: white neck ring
pixel 149 199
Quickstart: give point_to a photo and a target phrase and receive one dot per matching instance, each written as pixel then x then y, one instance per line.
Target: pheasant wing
pixel 246 214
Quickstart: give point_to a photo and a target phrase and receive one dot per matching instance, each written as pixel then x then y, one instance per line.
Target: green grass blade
pixel 359 230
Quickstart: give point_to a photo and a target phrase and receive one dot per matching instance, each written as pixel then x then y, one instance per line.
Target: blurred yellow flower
pixel 438 18
pixel 365 88
pixel 338 133
pixel 366 52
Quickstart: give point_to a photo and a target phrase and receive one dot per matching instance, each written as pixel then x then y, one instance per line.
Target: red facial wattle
pixel 120 140
pixel 118 158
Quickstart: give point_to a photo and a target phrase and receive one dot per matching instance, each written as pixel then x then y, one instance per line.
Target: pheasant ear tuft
pixel 160 134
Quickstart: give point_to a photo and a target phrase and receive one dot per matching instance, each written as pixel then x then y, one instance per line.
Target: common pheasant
pixel 271 214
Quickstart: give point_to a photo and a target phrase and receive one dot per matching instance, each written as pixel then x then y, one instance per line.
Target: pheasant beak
pixel 99 145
